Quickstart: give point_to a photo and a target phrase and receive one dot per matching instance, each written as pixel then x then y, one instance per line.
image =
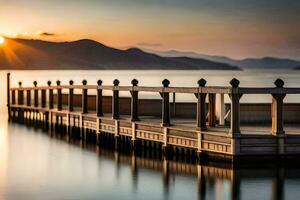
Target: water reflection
pixel 35 165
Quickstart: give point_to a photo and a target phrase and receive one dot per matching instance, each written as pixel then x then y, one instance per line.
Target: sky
pixel 234 28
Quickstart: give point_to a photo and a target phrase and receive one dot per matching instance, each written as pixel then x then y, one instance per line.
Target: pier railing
pixel 43 100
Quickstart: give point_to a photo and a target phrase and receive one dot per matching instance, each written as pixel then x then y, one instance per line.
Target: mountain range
pixel 248 63
pixel 88 54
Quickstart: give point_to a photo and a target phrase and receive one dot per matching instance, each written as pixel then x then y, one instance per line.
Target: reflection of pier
pixel 59 105
pixel 223 179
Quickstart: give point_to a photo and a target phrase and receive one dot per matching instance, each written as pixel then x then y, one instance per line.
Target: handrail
pixel 192 90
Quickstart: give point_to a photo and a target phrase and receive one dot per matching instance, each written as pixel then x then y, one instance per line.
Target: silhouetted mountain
pixel 261 63
pixel 89 54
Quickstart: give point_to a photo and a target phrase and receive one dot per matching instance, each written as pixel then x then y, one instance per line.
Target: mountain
pixel 89 54
pixel 249 63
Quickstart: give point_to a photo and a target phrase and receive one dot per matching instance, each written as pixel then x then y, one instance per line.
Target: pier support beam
pixel 99 100
pixel 134 101
pixel 201 113
pixel 165 104
pixel 115 100
pixel 71 97
pixel 59 96
pixel 84 98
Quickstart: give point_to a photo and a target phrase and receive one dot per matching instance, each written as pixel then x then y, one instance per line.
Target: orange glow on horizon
pixel 2 40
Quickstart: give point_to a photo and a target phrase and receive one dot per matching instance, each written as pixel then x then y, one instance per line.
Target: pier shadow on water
pixel 38 164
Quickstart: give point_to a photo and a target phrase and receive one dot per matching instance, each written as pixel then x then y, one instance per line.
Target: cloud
pixel 46 34
pixel 146 44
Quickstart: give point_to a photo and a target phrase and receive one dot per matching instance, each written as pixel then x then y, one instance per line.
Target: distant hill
pixel 249 63
pixel 89 54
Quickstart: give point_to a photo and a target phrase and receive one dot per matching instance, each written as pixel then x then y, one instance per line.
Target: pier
pixel 164 124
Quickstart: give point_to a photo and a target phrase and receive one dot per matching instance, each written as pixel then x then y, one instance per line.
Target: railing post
pixel 71 97
pixel 13 97
pixel 99 100
pixel 277 110
pixel 51 102
pixel 212 110
pixel 43 96
pixel 165 104
pixel 28 97
pixel 84 98
pixel 20 94
pixel 201 113
pixel 59 96
pixel 36 95
pixel 235 107
pixel 134 101
pixel 20 102
pixel 115 100
pixel 277 116
pixel 8 96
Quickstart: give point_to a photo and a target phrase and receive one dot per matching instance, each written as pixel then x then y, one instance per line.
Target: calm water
pixel 34 165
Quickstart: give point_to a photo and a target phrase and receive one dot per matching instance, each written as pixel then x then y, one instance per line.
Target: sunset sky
pixel 235 28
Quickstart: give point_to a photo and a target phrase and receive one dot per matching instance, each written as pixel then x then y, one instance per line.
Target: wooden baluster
pixel 212 110
pixel 71 97
pixel 59 96
pixel 84 98
pixel 99 100
pixel 134 101
pixel 115 100
pixel 201 111
pixel 165 104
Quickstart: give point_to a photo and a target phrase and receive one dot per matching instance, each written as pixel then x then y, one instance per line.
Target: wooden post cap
pixel 166 83
pixel 84 82
pixel 234 83
pixel 35 83
pixel 71 82
pixel 202 82
pixel 279 83
pixel 58 82
pixel 134 82
pixel 99 82
pixel 20 83
pixel 49 83
pixel 116 82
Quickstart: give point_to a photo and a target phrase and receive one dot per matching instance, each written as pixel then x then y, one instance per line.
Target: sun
pixel 2 40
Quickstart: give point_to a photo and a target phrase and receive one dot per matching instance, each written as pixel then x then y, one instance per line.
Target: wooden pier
pixel 208 134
